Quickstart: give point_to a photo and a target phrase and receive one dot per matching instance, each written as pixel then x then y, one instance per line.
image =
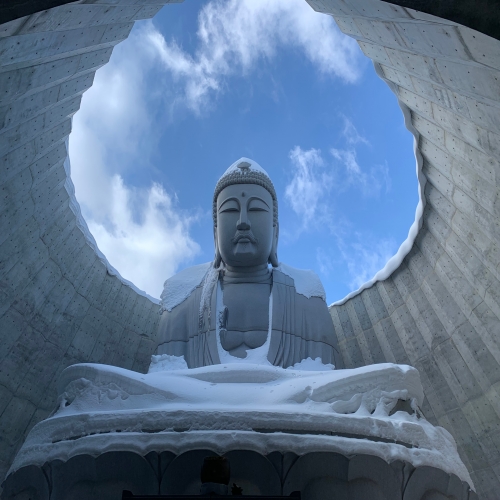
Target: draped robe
pixel 301 324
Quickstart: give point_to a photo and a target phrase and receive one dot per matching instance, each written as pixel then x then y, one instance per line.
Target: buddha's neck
pixel 253 274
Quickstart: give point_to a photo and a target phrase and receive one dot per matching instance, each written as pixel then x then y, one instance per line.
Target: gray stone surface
pixel 84 477
pixel 318 476
pixel 440 311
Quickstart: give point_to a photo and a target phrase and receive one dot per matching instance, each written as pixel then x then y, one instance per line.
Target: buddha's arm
pixel 314 325
pixel 181 323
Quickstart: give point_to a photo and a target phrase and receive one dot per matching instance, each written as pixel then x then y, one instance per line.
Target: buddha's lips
pixel 244 235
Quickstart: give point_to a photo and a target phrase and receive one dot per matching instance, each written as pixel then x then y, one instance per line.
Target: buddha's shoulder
pixel 180 286
pixel 305 281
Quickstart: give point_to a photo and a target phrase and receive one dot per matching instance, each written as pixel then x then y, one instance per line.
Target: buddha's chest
pixel 247 306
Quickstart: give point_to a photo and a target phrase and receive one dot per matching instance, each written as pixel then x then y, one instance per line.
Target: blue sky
pixel 207 82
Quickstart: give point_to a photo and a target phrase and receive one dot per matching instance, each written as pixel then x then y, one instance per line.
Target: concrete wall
pixel 480 15
pixel 440 311
pixel 60 303
pixel 14 9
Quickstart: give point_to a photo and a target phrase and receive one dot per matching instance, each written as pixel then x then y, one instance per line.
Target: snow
pixel 312 365
pixel 166 362
pixel 252 165
pixel 307 282
pixel 240 406
pixel 180 286
pixel 395 261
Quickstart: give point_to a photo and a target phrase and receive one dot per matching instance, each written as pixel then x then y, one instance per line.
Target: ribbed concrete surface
pixel 59 304
pixel 439 311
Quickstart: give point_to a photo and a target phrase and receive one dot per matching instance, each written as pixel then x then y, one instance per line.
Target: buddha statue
pixel 237 307
pixel 212 401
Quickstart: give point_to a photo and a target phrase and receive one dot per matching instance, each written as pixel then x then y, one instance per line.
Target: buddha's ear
pixel 273 258
pixel 218 256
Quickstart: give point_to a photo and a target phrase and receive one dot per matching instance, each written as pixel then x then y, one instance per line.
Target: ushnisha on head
pixel 245 213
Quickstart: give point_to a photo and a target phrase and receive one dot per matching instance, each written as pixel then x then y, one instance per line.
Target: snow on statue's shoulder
pixel 306 281
pixel 180 286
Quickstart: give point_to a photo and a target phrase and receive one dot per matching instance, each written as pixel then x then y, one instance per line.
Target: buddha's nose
pixel 243 223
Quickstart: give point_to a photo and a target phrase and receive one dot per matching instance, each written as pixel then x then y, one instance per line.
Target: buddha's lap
pixel 231 339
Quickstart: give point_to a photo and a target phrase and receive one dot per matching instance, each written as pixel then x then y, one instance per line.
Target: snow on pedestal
pixel 371 410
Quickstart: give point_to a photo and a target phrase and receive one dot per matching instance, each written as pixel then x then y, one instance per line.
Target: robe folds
pixel 301 324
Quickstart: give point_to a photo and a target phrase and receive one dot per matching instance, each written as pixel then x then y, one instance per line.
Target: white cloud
pixel 309 185
pixel 112 131
pixel 313 178
pixel 235 34
pixel 308 193
pixel 325 262
pixel 140 230
pixel 365 256
pixel 117 128
pixel 371 182
pixel 351 134
pixel 147 251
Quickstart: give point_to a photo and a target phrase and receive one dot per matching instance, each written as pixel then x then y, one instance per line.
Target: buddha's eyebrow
pixel 232 198
pixel 260 199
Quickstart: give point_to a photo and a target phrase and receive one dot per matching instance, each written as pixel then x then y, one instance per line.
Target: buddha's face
pixel 244 225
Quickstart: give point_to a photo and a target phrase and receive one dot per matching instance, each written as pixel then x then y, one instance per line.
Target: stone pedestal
pixel 317 475
pixel 343 434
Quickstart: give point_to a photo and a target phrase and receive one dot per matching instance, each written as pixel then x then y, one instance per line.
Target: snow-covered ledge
pixel 371 410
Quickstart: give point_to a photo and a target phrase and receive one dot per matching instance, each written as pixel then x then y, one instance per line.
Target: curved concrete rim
pixel 395 261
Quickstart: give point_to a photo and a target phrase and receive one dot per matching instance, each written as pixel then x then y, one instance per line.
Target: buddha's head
pixel 245 212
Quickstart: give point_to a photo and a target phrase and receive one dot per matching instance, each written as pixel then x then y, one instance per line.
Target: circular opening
pixel 203 84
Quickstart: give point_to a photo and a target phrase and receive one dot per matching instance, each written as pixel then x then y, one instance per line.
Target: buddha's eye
pixel 257 205
pixel 229 206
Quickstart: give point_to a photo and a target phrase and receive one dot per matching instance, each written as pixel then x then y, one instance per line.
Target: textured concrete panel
pixel 440 308
pixel 61 302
